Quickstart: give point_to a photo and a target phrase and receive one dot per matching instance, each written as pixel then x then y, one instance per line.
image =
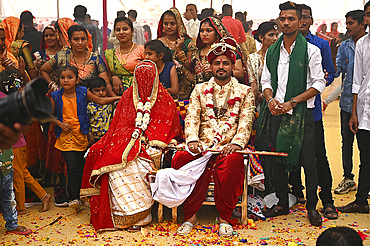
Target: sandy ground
pixel 293 229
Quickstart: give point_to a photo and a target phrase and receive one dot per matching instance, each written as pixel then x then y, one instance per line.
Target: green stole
pixel 291 131
pixel 117 69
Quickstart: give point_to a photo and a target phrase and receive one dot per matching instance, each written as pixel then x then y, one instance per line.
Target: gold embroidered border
pixel 135 91
pixel 128 149
pixel 157 143
pixel 107 169
pixel 122 222
pixel 89 192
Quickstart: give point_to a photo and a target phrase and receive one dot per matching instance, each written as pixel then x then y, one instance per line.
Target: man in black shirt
pixel 30 32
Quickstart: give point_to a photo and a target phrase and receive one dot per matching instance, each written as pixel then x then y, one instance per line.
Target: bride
pixel 116 169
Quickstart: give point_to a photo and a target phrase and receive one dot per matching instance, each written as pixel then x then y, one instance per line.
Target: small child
pixel 100 115
pixel 11 81
pixel 157 52
pixel 72 127
pixel 7 198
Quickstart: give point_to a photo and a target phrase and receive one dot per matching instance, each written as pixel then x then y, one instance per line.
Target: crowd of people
pixel 116 116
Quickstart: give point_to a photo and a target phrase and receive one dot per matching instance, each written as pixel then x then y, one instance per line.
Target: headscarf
pixel 221 30
pixel 319 29
pixel 219 49
pixel 64 24
pixel 11 27
pixel 43 44
pixel 115 151
pixel 217 25
pixel 181 29
pixel 163 127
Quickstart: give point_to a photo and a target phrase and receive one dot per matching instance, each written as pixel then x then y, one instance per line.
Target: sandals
pixel 185 228
pixel 134 228
pixel 21 230
pixel 225 230
pixel 330 212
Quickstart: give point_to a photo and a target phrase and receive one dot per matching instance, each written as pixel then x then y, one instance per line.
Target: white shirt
pixel 112 39
pixel 361 82
pixel 138 36
pixel 192 28
pixel 315 74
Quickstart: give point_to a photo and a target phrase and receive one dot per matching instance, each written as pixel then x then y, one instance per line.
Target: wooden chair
pixel 244 202
pixel 181 108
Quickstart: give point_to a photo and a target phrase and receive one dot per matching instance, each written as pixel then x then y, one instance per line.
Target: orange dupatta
pixel 65 23
pixel 10 26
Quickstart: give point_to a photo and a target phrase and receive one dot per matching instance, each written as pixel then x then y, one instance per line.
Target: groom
pixel 220 115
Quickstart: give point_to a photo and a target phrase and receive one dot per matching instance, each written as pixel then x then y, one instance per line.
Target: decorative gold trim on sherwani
pixel 197 123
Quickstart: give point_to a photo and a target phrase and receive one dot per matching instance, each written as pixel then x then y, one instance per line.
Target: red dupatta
pixel 117 148
pixel 181 29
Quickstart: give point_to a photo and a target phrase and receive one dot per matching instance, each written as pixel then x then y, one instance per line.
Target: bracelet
pixel 51 83
pixel 182 57
pixel 269 101
pixel 6 63
pixel 9 65
pixel 6 60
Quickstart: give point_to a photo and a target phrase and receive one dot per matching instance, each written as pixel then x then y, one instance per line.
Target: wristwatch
pixel 293 102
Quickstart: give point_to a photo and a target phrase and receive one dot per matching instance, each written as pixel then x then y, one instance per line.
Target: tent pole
pixel 105 26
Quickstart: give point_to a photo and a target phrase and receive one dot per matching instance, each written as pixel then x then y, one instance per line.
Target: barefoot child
pixel 72 127
pixel 157 52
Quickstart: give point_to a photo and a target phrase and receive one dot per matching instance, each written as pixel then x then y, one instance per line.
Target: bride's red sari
pixel 117 149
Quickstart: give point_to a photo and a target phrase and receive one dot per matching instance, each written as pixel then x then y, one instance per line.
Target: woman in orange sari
pixel 116 169
pixel 19 52
pixel 55 163
pixel 90 65
pixel 61 27
pixel 19 48
pixel 8 60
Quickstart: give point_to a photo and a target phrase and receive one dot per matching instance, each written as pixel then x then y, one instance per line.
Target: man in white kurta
pixel 360 119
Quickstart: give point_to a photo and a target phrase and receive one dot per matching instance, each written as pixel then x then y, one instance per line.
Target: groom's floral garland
pixel 142 117
pixel 235 102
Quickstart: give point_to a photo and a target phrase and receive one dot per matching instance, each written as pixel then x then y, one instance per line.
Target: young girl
pixel 72 127
pixel 157 52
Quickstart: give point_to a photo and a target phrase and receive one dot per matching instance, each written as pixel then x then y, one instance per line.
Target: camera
pixel 28 105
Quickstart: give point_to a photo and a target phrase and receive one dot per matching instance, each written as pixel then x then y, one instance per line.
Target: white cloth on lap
pixel 172 187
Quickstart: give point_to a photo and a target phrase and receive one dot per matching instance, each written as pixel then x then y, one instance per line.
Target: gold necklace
pixel 124 61
pixel 173 44
pixel 83 64
pixel 205 53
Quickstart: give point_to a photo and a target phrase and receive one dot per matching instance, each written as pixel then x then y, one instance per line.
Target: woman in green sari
pixel 122 60
pixel 172 32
